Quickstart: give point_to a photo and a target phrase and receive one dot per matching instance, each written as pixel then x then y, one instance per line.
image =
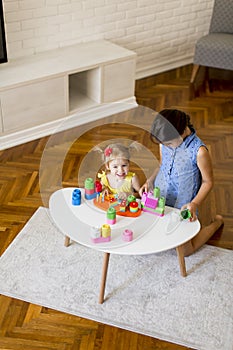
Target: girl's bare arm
pixel 205 165
pixel 135 183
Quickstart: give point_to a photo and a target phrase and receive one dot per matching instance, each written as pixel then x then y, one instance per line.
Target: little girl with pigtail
pixel 117 179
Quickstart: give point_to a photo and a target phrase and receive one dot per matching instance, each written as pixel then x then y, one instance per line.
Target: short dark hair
pixel 169 124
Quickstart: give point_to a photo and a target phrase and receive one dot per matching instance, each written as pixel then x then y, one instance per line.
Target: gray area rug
pixel 144 294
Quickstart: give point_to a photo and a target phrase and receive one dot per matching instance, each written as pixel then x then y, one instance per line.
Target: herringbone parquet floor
pixel 27 326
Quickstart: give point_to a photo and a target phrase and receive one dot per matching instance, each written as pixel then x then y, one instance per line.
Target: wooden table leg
pixel 180 254
pixel 67 241
pixel 103 277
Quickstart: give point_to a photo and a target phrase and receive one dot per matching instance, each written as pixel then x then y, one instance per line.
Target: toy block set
pixel 103 234
pixel 150 202
pixel 130 207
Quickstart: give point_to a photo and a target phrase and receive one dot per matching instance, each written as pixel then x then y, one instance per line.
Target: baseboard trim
pixel 164 67
pixel 76 119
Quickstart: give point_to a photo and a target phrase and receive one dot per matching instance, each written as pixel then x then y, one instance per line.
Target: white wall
pixel 162 32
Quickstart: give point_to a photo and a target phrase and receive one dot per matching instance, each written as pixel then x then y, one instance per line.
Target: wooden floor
pixel 27 326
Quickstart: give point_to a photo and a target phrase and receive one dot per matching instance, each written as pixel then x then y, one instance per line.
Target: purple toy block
pixel 111 221
pixel 101 239
pixel 127 235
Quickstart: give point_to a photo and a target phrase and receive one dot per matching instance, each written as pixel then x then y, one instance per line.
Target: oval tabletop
pixel 151 233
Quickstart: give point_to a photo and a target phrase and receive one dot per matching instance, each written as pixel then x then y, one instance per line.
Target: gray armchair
pixel 216 48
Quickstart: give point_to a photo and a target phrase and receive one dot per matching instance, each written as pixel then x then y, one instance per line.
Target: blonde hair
pixel 115 150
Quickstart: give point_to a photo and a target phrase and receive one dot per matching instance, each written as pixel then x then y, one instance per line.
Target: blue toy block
pixel 90 196
pixel 76 197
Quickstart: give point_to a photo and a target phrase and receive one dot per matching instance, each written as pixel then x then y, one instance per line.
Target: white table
pixel 152 234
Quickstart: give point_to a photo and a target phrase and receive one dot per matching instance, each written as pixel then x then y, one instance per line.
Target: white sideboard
pixel 82 82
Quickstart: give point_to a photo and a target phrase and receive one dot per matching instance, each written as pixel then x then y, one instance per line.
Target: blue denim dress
pixel 179 177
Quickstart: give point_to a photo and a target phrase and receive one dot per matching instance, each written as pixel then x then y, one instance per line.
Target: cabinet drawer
pixel 33 104
pixel 118 80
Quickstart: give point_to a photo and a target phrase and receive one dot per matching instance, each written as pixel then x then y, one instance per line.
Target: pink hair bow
pixel 108 152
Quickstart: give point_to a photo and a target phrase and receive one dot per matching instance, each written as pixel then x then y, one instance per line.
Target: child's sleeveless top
pixel 179 177
pixel 125 187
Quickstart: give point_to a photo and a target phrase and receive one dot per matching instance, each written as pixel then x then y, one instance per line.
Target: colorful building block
pixel 101 234
pixel 106 230
pixel 123 205
pixel 113 201
pixel 127 235
pixel 89 188
pixel 89 184
pixel 151 202
pixel 95 232
pixel 111 216
pixel 131 198
pixel 133 207
pixel 185 214
pixel 98 186
pixel 76 197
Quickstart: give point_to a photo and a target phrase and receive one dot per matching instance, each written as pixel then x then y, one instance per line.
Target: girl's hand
pixel 192 207
pixel 145 188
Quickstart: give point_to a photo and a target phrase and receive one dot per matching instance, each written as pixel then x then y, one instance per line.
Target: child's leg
pixel 203 236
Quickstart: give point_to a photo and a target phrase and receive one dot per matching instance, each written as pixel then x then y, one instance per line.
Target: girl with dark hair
pixel 185 175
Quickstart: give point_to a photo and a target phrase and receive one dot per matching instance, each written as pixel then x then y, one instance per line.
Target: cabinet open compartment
pixel 84 89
